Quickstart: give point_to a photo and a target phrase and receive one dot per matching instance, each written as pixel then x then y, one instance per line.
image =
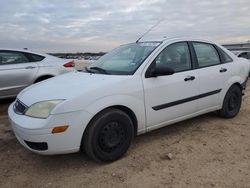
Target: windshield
pixel 123 60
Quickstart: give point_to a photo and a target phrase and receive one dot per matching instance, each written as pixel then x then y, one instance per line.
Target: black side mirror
pixel 154 71
pixel 163 71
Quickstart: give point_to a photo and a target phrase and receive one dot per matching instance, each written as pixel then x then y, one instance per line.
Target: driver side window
pixel 175 56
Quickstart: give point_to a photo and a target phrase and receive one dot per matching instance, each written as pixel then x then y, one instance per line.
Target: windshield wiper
pixel 99 69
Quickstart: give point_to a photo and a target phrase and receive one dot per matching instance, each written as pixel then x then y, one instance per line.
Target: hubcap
pixel 111 136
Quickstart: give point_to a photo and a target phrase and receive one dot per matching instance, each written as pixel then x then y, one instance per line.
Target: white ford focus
pixel 134 89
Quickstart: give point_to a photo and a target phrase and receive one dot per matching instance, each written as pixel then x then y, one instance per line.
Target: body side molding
pixel 167 105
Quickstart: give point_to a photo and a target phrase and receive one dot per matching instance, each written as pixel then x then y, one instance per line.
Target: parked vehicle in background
pixel 132 90
pixel 21 68
pixel 243 54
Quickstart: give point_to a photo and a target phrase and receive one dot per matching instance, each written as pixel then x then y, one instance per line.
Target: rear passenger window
pixel 175 56
pixel 225 58
pixel 36 58
pixel 206 54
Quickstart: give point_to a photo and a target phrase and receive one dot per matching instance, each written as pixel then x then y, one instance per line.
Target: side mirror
pixel 154 71
pixel 163 71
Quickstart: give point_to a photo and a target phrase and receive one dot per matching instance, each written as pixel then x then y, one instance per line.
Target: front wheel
pixel 232 102
pixel 109 135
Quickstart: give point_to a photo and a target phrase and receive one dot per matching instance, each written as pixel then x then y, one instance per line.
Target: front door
pixel 170 97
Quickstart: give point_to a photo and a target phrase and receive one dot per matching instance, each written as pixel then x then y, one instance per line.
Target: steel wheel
pixel 232 102
pixel 108 136
pixel 111 136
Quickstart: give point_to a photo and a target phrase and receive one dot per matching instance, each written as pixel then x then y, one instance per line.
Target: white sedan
pixel 21 68
pixel 134 89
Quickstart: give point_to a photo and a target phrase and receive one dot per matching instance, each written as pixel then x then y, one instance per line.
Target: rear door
pixel 173 96
pixel 213 74
pixel 16 72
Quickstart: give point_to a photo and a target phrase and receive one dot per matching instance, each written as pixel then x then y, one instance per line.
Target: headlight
pixel 42 109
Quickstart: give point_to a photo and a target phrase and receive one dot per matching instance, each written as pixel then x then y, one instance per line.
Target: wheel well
pixel 130 113
pixel 125 109
pixel 239 85
pixel 41 78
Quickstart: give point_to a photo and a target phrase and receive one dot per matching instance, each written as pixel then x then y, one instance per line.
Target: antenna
pixel 150 29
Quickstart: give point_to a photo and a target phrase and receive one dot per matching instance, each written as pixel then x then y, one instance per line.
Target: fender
pixel 53 71
pixel 233 80
pixel 239 75
pixel 133 103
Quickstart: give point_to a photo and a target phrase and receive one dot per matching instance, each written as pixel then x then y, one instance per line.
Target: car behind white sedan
pixel 134 89
pixel 21 68
pixel 243 54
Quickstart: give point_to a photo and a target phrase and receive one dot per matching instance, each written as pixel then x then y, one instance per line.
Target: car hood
pixel 69 86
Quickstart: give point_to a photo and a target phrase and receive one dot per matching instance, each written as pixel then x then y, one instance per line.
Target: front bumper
pixel 35 134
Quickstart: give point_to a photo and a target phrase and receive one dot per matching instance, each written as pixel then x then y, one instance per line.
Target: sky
pixel 99 25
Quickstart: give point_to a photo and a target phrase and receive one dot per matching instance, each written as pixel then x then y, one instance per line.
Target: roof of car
pixel 172 39
pixel 23 50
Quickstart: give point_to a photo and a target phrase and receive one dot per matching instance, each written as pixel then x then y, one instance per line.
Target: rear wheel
pixel 232 102
pixel 108 136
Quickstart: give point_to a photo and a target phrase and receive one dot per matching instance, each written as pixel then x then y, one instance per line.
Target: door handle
pixel 223 70
pixel 30 67
pixel 189 78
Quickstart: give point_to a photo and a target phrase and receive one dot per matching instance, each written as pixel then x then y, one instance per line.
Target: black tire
pixel 108 136
pixel 232 102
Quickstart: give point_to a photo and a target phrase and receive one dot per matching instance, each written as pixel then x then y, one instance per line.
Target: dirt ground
pixel 206 151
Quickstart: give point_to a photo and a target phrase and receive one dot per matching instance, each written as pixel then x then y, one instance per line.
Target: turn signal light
pixel 59 129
